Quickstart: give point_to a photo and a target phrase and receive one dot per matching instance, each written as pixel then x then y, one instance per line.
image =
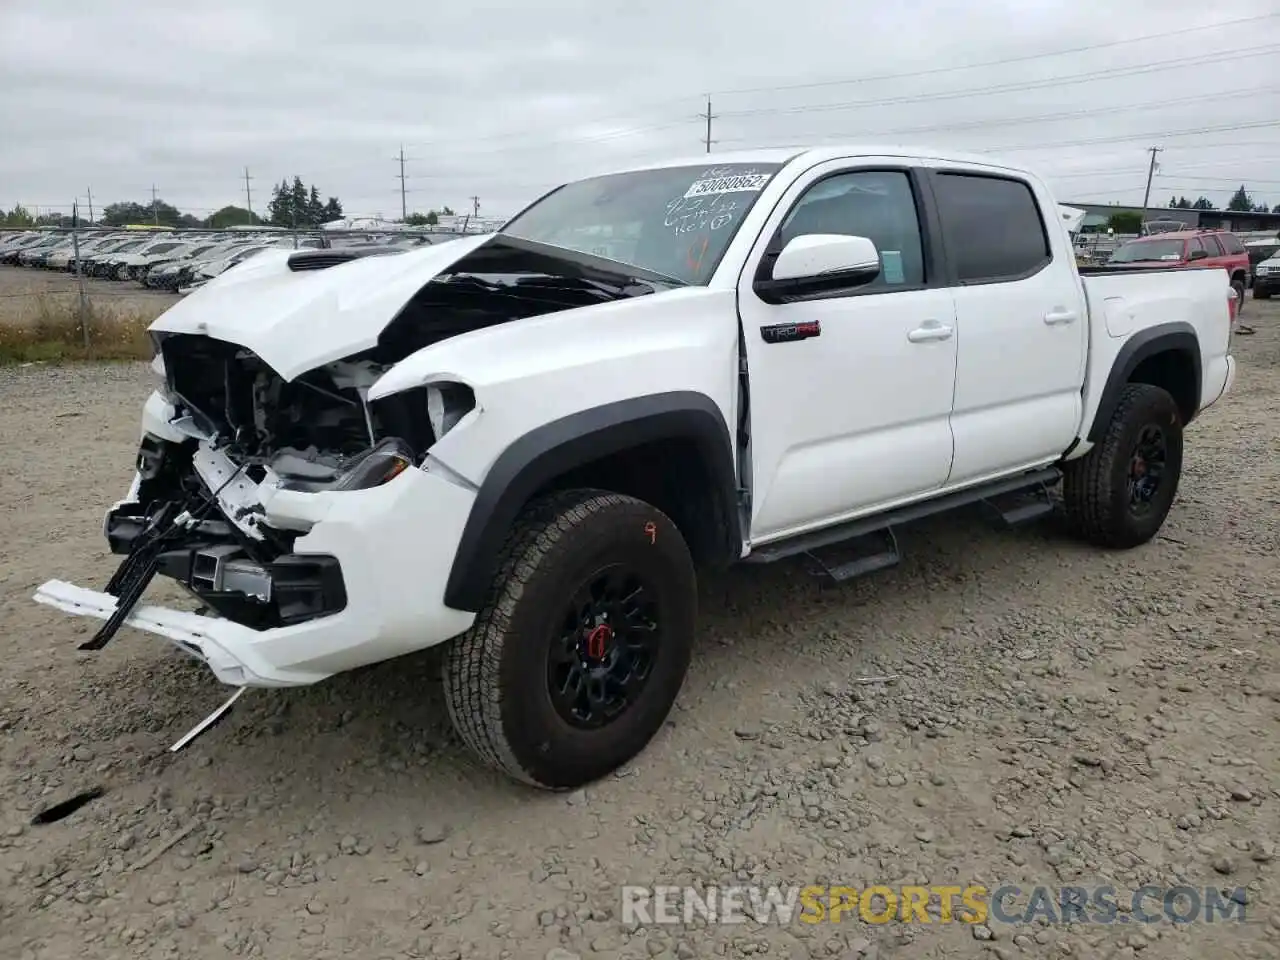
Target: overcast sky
pixel 505 99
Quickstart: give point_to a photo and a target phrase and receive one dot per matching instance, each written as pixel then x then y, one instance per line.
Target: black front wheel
pixel 1119 493
pixel 576 658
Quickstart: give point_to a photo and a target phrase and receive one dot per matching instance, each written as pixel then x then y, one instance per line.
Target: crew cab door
pixel 1022 321
pixel 850 389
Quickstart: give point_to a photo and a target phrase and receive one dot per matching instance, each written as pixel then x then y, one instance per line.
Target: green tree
pixel 19 216
pixel 1180 203
pixel 232 216
pixel 1203 203
pixel 165 214
pixel 119 214
pixel 1240 200
pixel 428 219
pixel 1125 221
pixel 297 205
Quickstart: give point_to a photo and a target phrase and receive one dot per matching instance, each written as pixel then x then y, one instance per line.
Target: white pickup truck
pixel 525 444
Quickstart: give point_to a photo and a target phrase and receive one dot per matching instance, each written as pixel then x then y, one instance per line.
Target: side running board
pixel 878 531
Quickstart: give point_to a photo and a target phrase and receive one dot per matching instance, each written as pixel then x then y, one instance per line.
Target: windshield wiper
pixel 590 266
pixel 610 290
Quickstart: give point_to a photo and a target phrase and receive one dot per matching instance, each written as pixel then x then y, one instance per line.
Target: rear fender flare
pixel 1177 337
pixel 538 457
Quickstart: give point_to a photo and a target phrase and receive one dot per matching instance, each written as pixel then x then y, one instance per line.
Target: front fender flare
pixel 549 451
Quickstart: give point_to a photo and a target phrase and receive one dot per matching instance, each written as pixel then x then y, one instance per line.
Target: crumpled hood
pixel 297 321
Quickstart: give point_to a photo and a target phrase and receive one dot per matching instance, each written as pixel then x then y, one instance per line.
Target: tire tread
pixel 1088 493
pixel 472 689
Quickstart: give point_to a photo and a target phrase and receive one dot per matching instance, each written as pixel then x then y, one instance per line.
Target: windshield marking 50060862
pixel 712 184
pixel 674 221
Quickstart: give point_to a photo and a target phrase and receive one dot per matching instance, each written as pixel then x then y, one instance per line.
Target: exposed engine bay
pixel 196 515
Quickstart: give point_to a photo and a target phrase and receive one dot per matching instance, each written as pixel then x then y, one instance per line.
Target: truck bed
pixel 1125 303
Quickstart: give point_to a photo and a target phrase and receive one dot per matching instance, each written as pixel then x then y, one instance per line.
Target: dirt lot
pixel 1060 716
pixel 27 293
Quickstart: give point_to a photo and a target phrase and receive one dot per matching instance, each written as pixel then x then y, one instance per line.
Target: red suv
pixel 1190 248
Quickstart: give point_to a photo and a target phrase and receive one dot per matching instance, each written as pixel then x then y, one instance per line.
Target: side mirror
pixel 819 263
pixel 1198 255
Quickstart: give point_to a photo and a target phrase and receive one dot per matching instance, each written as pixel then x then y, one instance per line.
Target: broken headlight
pixel 382 463
pixel 447 403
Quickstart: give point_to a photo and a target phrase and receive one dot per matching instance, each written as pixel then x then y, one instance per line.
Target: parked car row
pixel 176 261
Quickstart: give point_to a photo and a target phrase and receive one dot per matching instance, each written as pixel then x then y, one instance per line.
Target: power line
pixel 666 104
pixel 1078 141
pixel 1024 58
pixel 1046 117
pixel 1195 131
pixel 1103 174
pixel 1156 66
pixel 1045 83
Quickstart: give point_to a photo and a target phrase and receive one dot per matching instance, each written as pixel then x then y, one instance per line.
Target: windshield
pixel 674 221
pixel 1144 250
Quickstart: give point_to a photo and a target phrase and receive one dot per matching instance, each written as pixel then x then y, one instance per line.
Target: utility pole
pixel 1151 172
pixel 248 196
pixel 155 210
pixel 475 206
pixel 709 117
pixel 89 190
pixel 404 205
pixel 75 251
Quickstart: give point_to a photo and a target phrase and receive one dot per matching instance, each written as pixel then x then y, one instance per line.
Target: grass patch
pixel 55 334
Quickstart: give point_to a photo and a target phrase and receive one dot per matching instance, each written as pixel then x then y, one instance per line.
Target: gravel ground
pixel 1059 715
pixel 26 292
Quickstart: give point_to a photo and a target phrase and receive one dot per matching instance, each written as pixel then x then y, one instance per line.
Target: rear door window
pixel 991 226
pixel 1230 243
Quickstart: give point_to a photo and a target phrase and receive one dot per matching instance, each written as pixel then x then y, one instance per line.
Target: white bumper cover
pixel 395 544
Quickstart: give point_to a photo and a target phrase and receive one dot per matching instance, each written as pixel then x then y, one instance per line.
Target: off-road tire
pixel 495 674
pixel 1095 486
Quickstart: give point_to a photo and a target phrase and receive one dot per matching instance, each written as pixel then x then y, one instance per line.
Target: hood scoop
pixel 324 259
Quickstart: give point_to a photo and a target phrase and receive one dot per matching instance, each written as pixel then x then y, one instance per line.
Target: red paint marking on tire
pixel 651 529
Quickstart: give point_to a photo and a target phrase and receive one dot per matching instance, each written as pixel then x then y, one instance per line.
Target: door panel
pixel 1023 326
pixel 855 414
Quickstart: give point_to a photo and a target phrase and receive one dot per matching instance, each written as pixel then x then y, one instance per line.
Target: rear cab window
pixel 992 227
pixel 1150 251
pixel 1231 243
pixel 1211 244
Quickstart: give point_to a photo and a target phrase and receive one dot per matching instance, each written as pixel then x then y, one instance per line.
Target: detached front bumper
pixel 393 545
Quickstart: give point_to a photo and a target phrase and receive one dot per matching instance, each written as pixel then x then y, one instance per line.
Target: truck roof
pixel 1180 234
pixel 823 153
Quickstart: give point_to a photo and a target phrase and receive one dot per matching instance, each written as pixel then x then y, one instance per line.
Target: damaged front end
pixel 228 435
pixel 290 474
